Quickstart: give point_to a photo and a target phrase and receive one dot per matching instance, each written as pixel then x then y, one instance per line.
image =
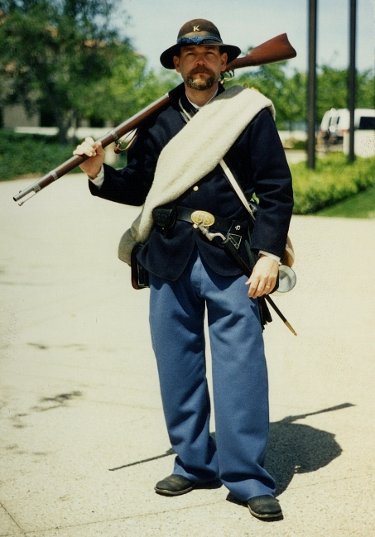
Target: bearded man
pixel 178 171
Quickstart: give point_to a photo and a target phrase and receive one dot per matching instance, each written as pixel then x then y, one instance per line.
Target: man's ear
pixel 224 61
pixel 176 62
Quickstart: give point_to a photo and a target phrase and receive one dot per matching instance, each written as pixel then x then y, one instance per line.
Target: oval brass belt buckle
pixel 202 218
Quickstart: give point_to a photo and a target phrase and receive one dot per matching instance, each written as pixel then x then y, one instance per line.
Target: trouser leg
pixel 240 386
pixel 177 331
pixel 239 378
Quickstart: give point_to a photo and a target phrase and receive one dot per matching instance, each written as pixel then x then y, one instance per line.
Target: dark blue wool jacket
pixel 256 159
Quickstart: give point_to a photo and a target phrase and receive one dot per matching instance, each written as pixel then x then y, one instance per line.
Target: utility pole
pixel 311 88
pixel 352 75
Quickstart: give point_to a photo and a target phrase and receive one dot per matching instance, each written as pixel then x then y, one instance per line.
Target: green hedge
pixel 26 154
pixel 333 180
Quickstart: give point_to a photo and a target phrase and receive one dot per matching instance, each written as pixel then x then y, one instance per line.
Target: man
pixel 178 167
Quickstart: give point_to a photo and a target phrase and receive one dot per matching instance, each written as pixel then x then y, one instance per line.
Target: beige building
pixel 16 116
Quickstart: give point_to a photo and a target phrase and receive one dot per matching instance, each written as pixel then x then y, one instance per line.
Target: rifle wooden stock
pixel 276 49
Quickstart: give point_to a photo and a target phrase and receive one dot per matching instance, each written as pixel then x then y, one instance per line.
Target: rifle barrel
pixel 112 136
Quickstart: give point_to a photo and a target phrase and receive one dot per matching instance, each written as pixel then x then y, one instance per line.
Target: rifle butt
pixel 276 49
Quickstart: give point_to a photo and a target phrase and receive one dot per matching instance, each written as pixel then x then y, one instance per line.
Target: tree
pixel 333 89
pixel 366 89
pixel 52 51
pixel 129 88
pixel 286 89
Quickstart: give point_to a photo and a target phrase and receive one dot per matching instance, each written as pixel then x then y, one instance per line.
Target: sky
pixel 154 24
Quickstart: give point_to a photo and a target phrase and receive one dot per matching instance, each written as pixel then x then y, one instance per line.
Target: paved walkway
pixel 82 437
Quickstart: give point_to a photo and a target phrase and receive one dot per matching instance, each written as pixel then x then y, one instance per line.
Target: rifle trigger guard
pixel 227 75
pixel 118 146
pixel 123 143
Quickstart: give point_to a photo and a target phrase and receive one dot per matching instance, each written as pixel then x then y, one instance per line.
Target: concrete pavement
pixel 82 436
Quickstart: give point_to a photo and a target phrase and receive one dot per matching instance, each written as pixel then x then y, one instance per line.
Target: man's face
pixel 200 65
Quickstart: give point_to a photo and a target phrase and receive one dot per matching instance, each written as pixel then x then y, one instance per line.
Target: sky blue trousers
pixel 235 452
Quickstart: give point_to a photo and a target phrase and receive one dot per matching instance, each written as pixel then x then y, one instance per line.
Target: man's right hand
pixel 96 154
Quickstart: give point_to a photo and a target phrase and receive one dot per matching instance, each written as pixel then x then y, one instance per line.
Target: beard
pixel 203 83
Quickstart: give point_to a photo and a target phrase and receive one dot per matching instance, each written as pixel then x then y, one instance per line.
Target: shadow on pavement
pixel 297 448
pixel 293 448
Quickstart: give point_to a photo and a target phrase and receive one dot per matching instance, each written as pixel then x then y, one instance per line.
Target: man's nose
pixel 200 59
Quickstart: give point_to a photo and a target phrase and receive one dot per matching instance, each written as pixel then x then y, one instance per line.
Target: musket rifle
pixel 276 49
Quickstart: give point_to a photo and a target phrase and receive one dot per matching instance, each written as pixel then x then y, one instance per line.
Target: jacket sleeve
pixel 272 185
pixel 131 184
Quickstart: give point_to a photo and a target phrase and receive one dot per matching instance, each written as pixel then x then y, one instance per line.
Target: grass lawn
pixel 361 205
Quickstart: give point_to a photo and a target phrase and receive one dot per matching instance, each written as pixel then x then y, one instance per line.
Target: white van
pixel 335 123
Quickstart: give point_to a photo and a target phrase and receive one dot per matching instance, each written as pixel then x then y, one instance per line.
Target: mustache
pixel 201 69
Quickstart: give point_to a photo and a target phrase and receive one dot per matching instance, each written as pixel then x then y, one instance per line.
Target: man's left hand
pixel 263 278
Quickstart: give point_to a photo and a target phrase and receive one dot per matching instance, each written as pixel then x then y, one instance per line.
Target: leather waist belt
pixel 199 217
pixel 165 217
pixel 234 230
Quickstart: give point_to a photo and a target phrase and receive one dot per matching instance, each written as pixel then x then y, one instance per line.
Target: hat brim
pixel 166 58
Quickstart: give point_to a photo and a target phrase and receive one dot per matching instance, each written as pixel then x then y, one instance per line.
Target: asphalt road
pixel 82 438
